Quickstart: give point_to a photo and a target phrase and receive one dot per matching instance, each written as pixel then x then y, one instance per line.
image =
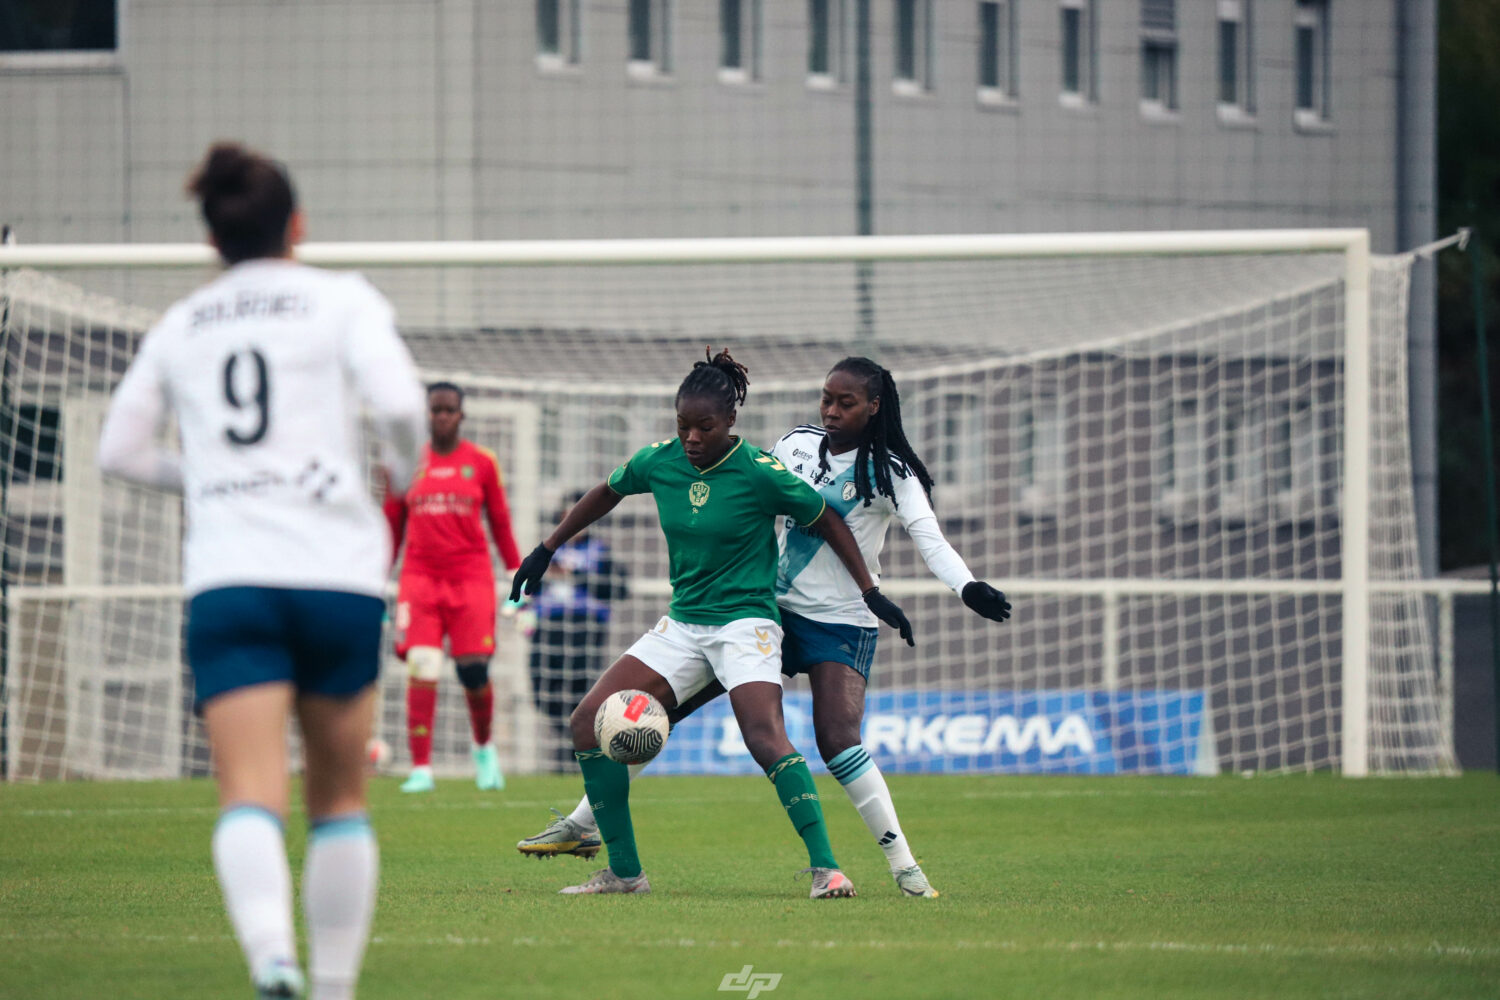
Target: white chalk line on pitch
pixel 1090 793
pixel 77 811
pixel 102 811
pixel 1434 949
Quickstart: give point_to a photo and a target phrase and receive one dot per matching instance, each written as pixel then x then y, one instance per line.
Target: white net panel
pixel 1144 452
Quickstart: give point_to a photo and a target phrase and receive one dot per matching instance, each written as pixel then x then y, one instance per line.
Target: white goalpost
pixel 1184 455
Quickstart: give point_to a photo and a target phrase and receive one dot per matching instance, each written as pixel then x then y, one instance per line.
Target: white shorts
pixel 690 656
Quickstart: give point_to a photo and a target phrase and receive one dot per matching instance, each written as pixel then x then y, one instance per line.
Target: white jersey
pixel 811 580
pixel 267 370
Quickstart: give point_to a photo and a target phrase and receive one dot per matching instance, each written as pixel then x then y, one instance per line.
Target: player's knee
pixel 835 739
pixel 474 675
pixel 424 663
pixel 766 741
pixel 581 722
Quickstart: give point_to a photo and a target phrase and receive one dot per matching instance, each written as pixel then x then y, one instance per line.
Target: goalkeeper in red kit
pixel 447 587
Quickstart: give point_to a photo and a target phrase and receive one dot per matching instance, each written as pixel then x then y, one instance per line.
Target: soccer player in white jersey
pixel 266 370
pixel 864 467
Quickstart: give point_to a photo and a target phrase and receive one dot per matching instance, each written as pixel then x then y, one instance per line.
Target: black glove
pixel 986 601
pixel 528 578
pixel 887 612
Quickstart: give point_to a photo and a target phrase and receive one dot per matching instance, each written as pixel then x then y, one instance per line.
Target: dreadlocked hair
pixel 720 377
pixel 883 440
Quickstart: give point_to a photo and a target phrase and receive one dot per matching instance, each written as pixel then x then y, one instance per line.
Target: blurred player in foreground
pixel 718 498
pixel 266 370
pixel 865 468
pixel 447 586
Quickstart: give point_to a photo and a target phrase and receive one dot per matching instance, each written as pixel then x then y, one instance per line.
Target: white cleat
pixel 279 979
pixel 829 883
pixel 913 882
pixel 419 781
pixel 605 880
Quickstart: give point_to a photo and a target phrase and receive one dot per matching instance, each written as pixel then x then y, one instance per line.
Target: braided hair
pixel 720 378
pixel 883 438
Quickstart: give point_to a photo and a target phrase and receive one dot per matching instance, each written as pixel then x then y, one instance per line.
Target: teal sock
pixel 607 784
pixel 795 788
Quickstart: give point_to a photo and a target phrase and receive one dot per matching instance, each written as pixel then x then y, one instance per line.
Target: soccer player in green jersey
pixel 718 498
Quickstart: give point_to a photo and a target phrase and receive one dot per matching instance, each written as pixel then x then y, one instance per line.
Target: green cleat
pixel 563 837
pixel 487 774
pixel 419 781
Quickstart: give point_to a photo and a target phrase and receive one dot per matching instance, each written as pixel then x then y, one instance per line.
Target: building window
pixel 1080 52
pixel 1236 60
pixel 739 40
pixel 1298 445
pixel 46 33
pixel 825 43
pixel 1042 457
pixel 558 32
pixel 913 47
pixel 650 38
pixel 1178 459
pixel 1244 461
pixel 997 51
pixel 1158 56
pixel 1312 62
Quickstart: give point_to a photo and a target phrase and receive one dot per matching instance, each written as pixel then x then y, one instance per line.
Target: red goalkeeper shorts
pixel 429 608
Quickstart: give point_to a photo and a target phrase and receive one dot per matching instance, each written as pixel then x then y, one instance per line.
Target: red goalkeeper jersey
pixel 440 515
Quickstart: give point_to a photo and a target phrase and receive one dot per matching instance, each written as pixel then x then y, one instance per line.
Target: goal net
pixel 1183 456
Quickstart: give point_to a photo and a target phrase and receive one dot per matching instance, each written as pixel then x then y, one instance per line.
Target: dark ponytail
pixel 719 378
pixel 883 439
pixel 246 199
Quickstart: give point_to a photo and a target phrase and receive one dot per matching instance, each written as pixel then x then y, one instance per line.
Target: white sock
pixel 583 813
pixel 250 859
pixel 338 897
pixel 866 788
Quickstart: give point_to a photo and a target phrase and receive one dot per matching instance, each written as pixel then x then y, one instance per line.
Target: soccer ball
pixel 378 753
pixel 631 727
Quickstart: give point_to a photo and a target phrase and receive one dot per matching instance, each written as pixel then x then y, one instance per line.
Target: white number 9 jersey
pixel 267 370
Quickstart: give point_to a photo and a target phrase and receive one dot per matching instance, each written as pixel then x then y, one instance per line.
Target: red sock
pixel 421 709
pixel 481 711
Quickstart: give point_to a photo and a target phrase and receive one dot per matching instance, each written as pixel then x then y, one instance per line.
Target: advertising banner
pixel 969 732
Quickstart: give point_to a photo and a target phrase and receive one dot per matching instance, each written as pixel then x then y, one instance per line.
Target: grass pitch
pixel 1051 887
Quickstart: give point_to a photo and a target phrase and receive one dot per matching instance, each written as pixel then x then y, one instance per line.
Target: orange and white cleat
pixel 829 883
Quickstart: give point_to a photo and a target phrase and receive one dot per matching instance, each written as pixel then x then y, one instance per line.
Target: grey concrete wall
pixel 407 119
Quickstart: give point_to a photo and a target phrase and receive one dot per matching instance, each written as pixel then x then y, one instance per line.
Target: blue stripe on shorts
pixel 323 642
pixel 806 642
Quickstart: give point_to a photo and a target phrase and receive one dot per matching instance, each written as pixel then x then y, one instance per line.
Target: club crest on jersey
pixel 698 494
pixel 849 491
pixel 467 472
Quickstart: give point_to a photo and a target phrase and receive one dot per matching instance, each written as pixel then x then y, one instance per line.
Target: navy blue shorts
pixel 806 642
pixel 321 641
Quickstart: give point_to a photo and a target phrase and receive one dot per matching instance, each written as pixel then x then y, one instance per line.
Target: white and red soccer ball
pixel 631 727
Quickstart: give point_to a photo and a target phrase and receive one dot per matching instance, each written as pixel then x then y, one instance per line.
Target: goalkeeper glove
pixel 986 601
pixel 887 612
pixel 528 578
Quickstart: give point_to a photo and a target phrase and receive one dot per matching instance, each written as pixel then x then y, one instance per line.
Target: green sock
pixel 607 784
pixel 795 788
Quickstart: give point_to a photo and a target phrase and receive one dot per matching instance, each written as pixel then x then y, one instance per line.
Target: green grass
pixel 1052 887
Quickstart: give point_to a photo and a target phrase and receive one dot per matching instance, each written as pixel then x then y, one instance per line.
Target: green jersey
pixel 720 524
